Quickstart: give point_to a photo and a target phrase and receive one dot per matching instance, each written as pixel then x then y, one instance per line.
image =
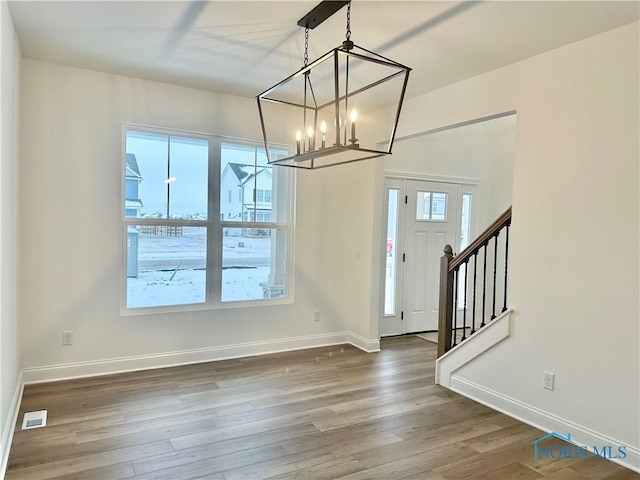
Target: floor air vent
pixel 34 419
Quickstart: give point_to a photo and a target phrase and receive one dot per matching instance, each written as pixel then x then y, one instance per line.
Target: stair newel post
pixel 445 312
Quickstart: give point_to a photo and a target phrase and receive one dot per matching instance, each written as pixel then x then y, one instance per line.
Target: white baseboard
pixel 171 359
pixel 12 418
pixel 481 341
pixel 542 420
pixel 369 346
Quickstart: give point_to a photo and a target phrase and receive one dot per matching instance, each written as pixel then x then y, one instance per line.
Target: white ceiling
pixel 243 47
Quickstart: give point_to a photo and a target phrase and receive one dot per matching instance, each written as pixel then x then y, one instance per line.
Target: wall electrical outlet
pixel 316 316
pixel 67 338
pixel 549 379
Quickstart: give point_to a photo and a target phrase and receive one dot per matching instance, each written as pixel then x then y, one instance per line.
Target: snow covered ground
pixel 193 244
pixel 155 286
pixel 188 286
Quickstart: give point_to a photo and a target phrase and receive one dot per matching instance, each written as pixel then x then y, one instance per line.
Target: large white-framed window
pixel 190 244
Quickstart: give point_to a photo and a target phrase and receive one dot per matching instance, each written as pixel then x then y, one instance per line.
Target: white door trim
pixel 431 178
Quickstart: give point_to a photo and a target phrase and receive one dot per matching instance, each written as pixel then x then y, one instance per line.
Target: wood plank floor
pixel 325 413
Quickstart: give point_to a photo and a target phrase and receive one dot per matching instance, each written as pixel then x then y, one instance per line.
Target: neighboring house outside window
pixel 263 216
pixel 188 246
pixel 257 182
pixel 263 196
pixel 233 175
pixel 133 204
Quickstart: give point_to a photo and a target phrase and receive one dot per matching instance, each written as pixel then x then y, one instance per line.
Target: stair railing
pixel 458 291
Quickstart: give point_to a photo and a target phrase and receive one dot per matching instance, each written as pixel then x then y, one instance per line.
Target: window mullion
pixel 168 172
pixel 214 243
pixel 255 183
pixel 161 221
pixel 254 225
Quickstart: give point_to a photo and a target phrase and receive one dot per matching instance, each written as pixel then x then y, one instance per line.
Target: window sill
pixel 231 305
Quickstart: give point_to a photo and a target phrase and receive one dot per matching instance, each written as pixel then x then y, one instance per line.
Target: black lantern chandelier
pixel 341 108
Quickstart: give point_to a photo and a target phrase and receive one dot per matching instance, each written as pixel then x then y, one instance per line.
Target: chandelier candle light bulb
pixel 353 117
pixel 323 129
pixel 298 138
pixel 310 135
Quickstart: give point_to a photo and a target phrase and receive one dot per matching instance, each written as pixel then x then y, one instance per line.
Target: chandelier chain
pixel 348 21
pixel 306 46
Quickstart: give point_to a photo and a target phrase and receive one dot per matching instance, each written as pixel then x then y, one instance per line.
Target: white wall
pixel 70 224
pixel 9 357
pixel 574 249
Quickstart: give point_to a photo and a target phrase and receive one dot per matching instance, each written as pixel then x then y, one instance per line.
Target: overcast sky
pixel 188 164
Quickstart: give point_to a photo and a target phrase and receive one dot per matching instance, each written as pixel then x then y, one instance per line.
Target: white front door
pixel 422 216
pixel 431 218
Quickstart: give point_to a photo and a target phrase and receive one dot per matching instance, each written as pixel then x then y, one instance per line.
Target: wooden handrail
pixel 490 231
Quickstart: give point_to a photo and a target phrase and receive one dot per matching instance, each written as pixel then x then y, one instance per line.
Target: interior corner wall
pixel 9 348
pixel 346 241
pixel 70 227
pixel 574 289
pixel 359 249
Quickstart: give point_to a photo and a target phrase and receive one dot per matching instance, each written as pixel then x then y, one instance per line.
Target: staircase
pixel 473 286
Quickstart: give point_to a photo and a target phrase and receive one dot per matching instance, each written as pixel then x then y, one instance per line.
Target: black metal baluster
pixel 455 306
pixel 495 270
pixel 464 312
pixel 506 262
pixel 484 286
pixel 473 315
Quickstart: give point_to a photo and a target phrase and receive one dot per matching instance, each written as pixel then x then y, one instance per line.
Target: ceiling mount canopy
pixel 341 108
pixel 320 13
